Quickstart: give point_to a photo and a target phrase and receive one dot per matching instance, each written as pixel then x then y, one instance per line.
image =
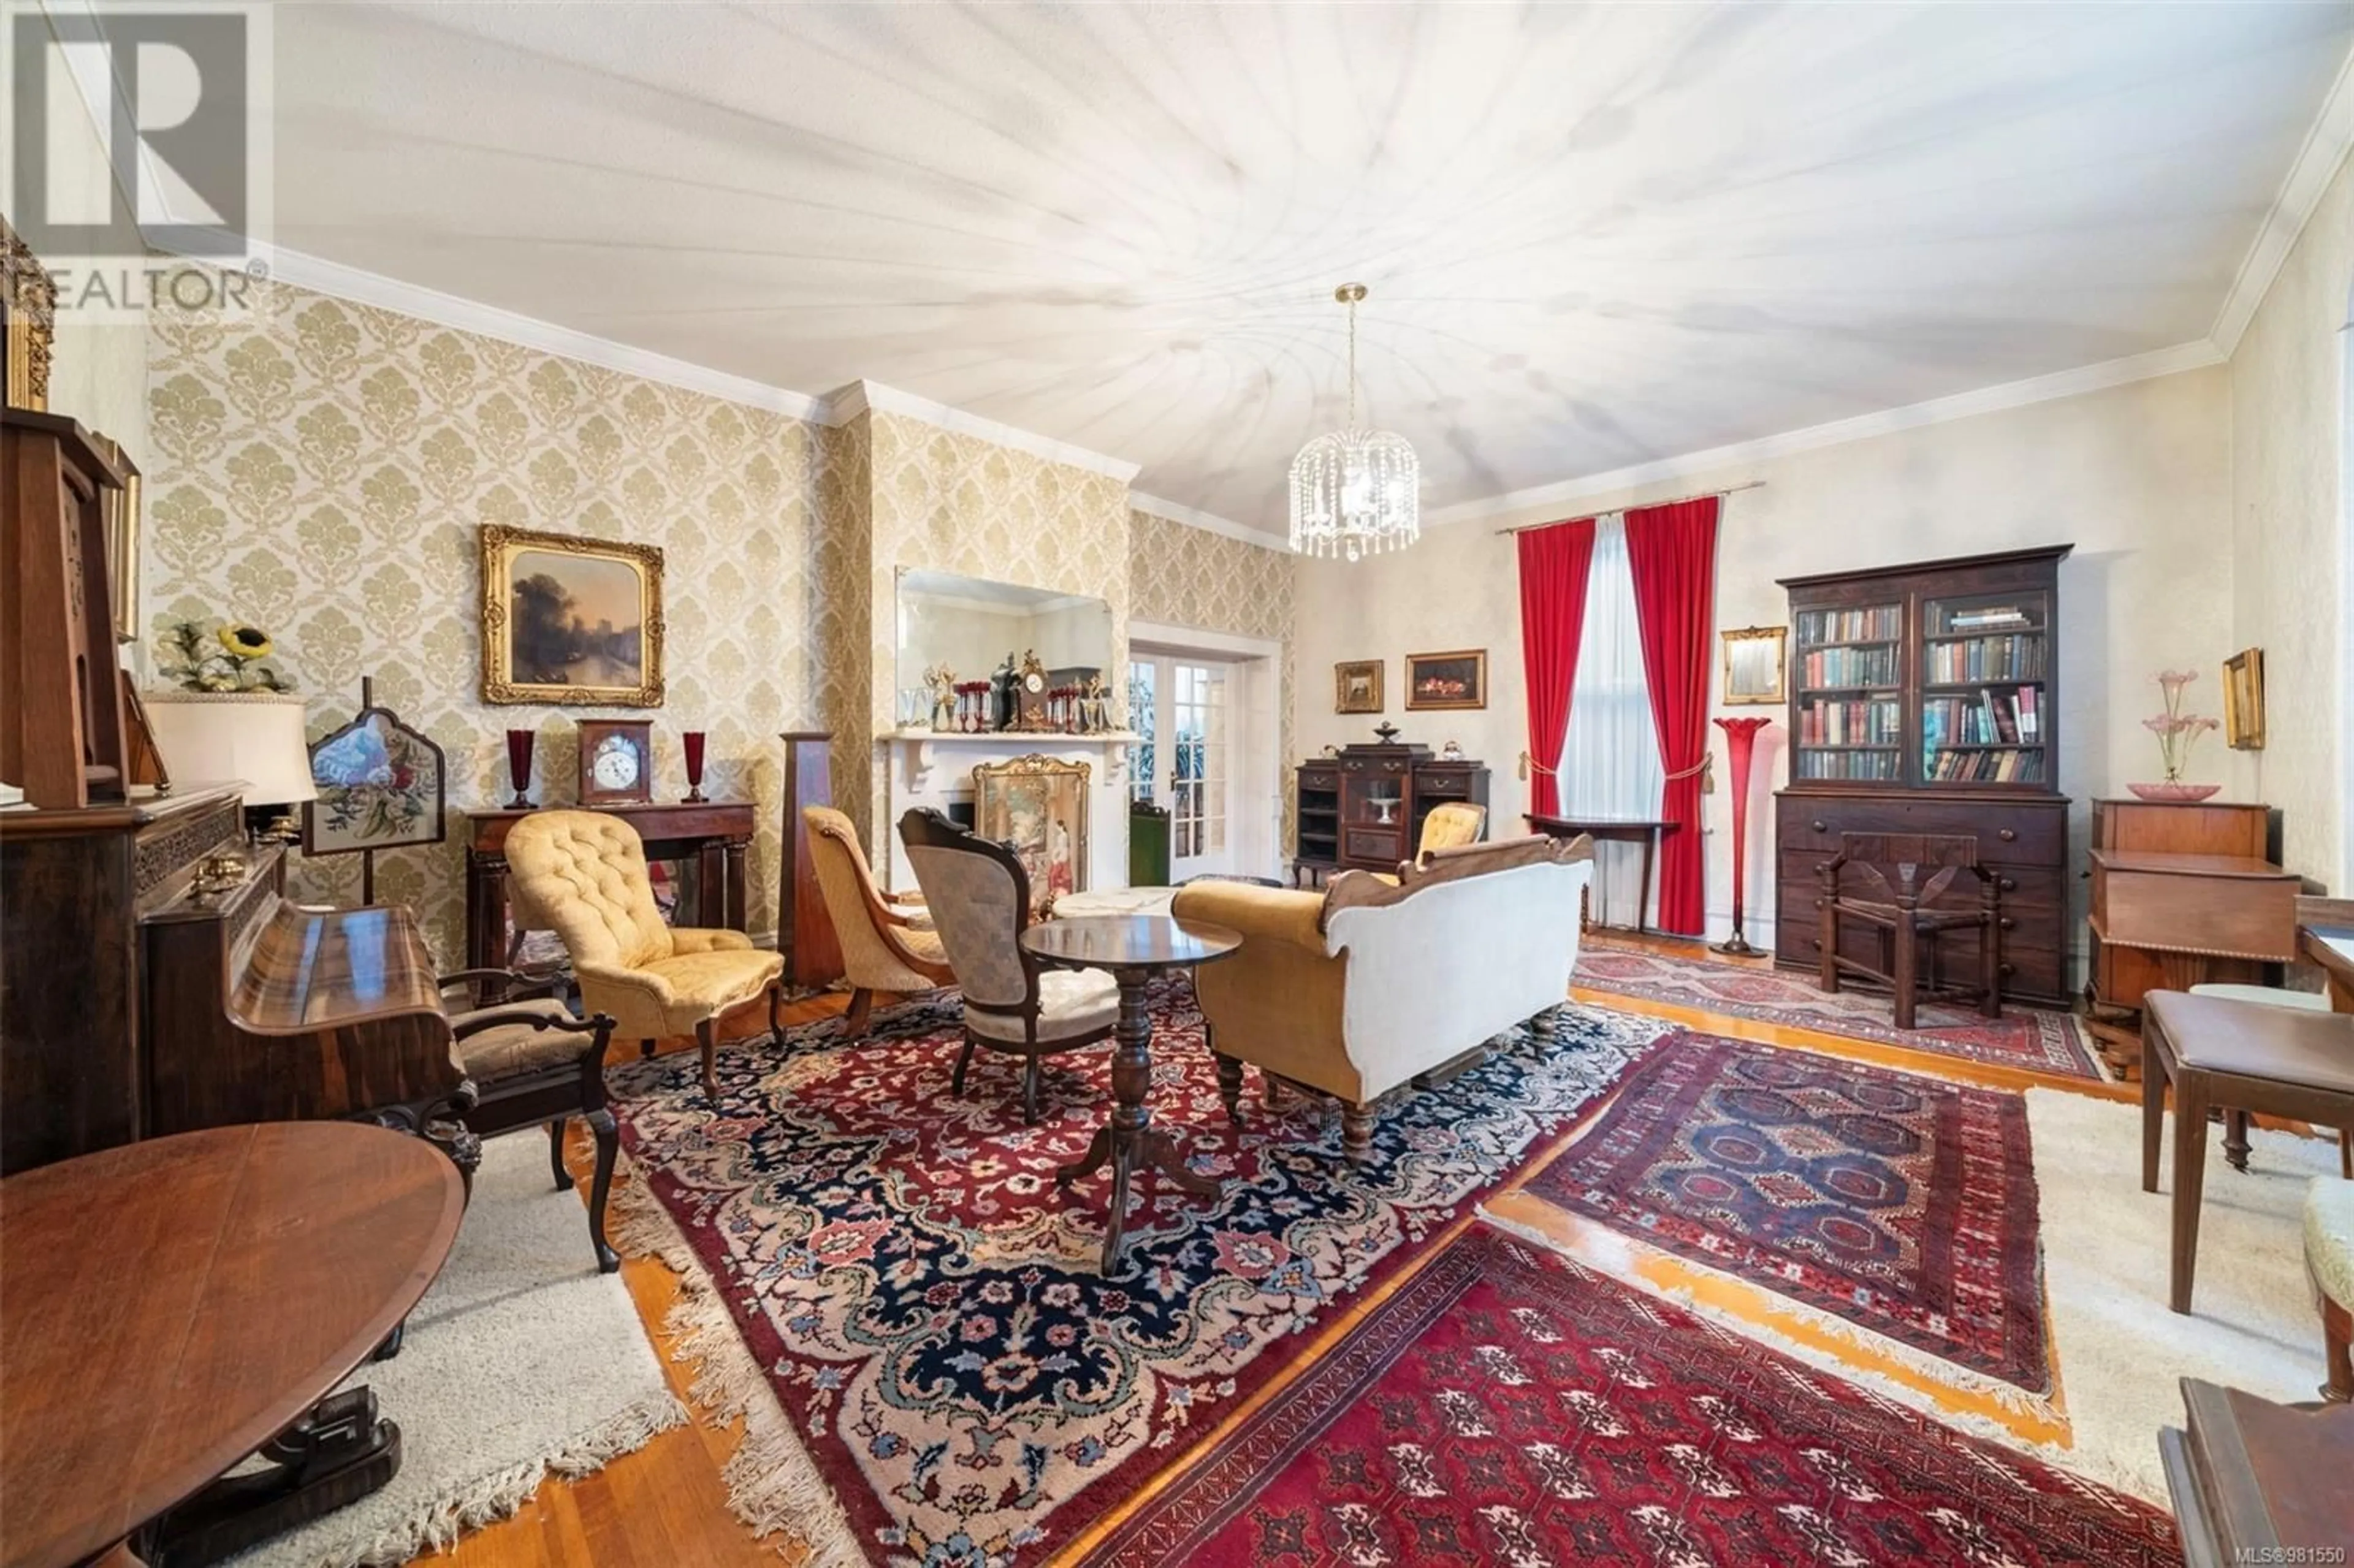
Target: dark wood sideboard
pixel 1925 699
pixel 1364 809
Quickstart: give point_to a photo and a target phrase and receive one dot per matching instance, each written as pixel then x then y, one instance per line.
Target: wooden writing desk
pixel 2166 920
pixel 1613 829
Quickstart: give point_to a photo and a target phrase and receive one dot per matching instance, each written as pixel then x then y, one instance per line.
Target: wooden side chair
pixel 888 941
pixel 533 1062
pixel 1910 872
pixel 979 896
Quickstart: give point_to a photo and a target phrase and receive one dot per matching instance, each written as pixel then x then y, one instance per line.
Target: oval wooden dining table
pixel 174 1306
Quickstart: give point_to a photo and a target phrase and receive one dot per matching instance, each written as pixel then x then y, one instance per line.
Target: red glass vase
pixel 519 744
pixel 1740 739
pixel 693 742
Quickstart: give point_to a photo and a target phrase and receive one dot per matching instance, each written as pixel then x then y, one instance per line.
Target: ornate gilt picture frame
pixel 1038 804
pixel 1756 667
pixel 570 621
pixel 2243 700
pixel 1452 680
pixel 1357 686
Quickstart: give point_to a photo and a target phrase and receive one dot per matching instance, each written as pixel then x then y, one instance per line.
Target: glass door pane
pixel 1143 689
pixel 1199 768
pixel 1849 676
pixel 1985 679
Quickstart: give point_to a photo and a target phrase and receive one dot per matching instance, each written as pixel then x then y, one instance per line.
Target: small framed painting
pixel 1357 687
pixel 1756 665
pixel 570 621
pixel 2243 700
pixel 1457 680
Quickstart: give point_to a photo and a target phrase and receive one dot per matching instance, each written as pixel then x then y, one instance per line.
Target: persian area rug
pixel 1504 1406
pixel 521 1362
pixel 2028 1038
pixel 1901 1204
pixel 923 1302
pixel 2252 1323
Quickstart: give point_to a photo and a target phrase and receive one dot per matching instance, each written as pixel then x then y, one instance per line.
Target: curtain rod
pixel 1676 501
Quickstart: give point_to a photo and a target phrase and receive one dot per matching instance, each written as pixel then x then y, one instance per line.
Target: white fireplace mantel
pixel 920 749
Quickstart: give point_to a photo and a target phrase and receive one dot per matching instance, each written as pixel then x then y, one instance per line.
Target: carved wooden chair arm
pixel 519 982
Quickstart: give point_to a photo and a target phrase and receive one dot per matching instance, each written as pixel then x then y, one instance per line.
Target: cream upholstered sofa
pixel 585 872
pixel 1356 992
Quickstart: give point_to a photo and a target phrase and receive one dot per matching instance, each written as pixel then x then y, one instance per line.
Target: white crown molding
pixel 865 396
pixel 1838 433
pixel 2309 173
pixel 1208 522
pixel 360 287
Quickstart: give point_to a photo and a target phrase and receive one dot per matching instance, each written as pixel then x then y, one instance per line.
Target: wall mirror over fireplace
pixel 968 627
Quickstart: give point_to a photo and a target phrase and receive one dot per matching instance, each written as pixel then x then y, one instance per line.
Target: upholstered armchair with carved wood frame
pixel 888 941
pixel 585 873
pixel 979 896
pixel 533 1062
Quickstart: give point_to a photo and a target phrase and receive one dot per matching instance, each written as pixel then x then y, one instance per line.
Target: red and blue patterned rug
pixel 1505 1407
pixel 2028 1038
pixel 925 1304
pixel 1901 1204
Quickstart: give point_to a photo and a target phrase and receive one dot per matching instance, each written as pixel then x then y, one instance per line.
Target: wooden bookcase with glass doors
pixel 1924 698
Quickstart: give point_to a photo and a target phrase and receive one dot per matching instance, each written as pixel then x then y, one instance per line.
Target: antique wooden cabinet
pixel 1924 698
pixel 1364 809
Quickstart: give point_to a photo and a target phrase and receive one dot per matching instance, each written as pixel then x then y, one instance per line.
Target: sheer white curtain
pixel 1610 757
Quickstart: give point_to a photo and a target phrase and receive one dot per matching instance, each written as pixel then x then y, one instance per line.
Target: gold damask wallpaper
pixel 1182 576
pixel 947 500
pixel 321 468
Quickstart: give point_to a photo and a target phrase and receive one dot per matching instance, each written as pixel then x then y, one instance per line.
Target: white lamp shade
pixel 212 738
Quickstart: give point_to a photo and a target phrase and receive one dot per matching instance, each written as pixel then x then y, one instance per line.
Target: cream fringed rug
pixel 2252 1323
pixel 521 1362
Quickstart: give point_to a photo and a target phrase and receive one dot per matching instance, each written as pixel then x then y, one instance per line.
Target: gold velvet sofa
pixel 1354 991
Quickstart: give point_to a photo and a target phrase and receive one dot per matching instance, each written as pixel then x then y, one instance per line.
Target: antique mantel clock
pixel 617 762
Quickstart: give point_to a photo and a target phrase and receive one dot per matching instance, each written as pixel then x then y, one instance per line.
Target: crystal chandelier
pixel 1356 491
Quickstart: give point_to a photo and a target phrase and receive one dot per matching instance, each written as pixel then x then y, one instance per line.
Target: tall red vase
pixel 519 744
pixel 1739 740
pixel 692 743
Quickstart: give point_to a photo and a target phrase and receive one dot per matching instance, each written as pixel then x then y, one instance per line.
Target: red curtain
pixel 1671 551
pixel 1553 564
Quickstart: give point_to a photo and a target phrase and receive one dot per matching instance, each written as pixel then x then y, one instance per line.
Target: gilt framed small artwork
pixel 2243 700
pixel 570 621
pixel 1357 686
pixel 1754 665
pixel 1456 680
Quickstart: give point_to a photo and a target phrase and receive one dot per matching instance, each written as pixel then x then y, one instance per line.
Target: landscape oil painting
pixel 570 621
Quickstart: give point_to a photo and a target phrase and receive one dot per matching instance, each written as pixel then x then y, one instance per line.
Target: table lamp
pixel 255 737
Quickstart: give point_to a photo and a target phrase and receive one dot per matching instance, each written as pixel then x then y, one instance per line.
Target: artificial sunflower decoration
pixel 229 660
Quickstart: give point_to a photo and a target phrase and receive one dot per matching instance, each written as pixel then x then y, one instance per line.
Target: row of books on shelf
pixel 1985 767
pixel 2019 658
pixel 1878 722
pixel 1848 667
pixel 1846 763
pixel 1883 621
pixel 1994 716
pixel 1945 621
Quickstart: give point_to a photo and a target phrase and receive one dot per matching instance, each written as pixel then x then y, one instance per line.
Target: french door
pixel 1185 762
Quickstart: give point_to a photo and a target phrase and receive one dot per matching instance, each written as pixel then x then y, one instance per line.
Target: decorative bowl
pixel 2177 793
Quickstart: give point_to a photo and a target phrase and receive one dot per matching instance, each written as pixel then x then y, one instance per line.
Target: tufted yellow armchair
pixel 586 874
pixel 886 945
pixel 1450 826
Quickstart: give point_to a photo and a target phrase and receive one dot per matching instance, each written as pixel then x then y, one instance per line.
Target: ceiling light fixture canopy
pixel 1355 492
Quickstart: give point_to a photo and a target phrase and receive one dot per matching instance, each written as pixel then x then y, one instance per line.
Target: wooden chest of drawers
pixel 2022 839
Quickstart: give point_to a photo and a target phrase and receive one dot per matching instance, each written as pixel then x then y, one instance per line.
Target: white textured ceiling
pixel 1595 236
